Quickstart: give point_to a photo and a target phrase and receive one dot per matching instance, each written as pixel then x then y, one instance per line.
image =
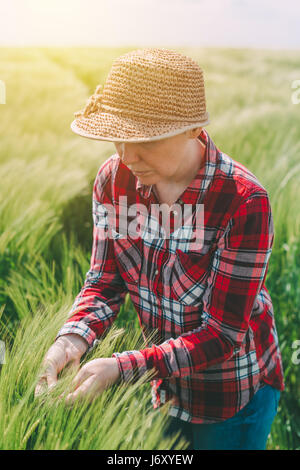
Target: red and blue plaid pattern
pixel 208 312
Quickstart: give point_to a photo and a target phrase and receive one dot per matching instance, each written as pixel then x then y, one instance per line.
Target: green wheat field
pixel 47 174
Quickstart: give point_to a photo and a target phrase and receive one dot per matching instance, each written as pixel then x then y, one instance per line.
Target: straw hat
pixel 149 94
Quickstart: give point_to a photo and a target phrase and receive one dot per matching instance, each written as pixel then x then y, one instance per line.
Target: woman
pixel 198 286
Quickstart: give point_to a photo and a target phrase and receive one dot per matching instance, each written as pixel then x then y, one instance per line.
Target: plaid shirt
pixel 208 312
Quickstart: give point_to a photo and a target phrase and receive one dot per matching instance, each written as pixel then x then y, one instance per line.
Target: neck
pixel 190 165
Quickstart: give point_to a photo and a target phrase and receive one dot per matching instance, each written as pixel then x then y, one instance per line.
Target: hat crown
pixel 149 94
pixel 155 83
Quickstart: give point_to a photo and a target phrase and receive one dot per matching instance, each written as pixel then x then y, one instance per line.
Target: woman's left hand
pixel 93 378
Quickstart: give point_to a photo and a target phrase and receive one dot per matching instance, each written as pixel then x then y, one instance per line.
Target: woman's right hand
pixel 66 349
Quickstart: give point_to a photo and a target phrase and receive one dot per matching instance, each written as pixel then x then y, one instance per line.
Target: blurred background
pixel 53 54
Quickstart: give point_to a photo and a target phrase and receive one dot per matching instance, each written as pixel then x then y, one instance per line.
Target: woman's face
pixel 165 159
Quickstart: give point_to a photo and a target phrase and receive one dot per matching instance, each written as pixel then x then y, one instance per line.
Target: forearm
pixel 95 308
pixel 98 303
pixel 188 354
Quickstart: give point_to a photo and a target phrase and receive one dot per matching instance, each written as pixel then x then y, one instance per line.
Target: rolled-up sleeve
pixel 237 273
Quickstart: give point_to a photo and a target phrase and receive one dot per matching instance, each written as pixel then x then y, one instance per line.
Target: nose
pixel 128 153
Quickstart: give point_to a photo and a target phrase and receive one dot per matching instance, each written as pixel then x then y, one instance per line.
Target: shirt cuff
pixel 132 365
pixel 79 328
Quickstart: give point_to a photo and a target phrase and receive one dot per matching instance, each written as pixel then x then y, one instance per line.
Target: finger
pixel 51 374
pixel 73 365
pixel 41 387
pixel 77 380
pixel 80 377
pixel 87 388
pixel 47 379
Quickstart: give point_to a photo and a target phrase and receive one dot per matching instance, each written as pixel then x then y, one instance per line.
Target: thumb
pixel 47 379
pixel 51 374
pixel 73 364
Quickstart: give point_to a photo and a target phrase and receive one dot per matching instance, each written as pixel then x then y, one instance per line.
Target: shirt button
pixel 156 272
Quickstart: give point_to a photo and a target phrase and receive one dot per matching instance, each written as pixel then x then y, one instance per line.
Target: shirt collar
pixel 194 193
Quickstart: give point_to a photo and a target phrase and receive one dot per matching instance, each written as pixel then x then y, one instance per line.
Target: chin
pixel 151 178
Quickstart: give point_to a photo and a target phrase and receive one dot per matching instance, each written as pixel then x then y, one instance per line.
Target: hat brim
pixel 115 128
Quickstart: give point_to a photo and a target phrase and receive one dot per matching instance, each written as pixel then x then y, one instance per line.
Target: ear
pixel 193 133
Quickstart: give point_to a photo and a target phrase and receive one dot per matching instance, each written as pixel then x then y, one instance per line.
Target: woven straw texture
pixel 149 94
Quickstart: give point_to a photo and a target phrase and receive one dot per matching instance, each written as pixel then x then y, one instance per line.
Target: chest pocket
pixel 188 276
pixel 128 257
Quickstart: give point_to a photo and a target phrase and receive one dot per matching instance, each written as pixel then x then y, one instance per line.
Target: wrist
pixel 116 375
pixel 74 340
